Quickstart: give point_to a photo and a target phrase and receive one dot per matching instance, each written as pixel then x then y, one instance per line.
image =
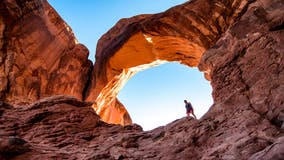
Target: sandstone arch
pixel 246 67
pixel 180 34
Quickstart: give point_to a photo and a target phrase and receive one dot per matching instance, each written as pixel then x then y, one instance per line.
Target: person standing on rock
pixel 189 109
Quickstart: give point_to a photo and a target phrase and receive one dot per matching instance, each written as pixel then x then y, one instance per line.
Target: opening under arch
pixel 154 97
pixel 143 41
pixel 140 52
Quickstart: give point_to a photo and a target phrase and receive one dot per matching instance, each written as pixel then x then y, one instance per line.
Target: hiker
pixel 189 109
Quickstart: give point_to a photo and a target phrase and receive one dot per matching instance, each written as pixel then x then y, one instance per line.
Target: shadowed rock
pixel 12 146
pixel 243 58
pixel 39 55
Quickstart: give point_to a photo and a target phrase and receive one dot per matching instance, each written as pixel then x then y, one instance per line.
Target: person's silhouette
pixel 189 109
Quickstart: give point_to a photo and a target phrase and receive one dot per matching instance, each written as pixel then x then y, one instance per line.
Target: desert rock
pixel 242 56
pixel 180 34
pixel 39 54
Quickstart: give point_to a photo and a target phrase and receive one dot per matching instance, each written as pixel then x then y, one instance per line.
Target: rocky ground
pixel 61 127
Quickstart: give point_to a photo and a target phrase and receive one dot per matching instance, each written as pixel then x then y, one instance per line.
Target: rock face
pixel 54 128
pixel 61 127
pixel 243 58
pixel 39 55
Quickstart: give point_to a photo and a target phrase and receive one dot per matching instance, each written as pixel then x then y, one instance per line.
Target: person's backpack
pixel 188 106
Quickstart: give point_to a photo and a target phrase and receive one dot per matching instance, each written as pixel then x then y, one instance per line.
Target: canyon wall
pixel 244 61
pixel 39 55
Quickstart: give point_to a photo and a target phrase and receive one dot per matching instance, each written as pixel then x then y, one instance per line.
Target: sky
pixel 153 97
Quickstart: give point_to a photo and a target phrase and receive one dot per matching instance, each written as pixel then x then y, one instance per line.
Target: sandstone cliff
pixel 39 55
pixel 243 58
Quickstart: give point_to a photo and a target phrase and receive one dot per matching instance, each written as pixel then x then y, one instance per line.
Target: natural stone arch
pixel 180 34
pixel 245 122
pixel 140 52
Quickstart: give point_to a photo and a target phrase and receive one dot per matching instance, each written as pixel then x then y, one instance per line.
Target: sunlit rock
pixel 181 34
pixel 39 54
pixel 243 57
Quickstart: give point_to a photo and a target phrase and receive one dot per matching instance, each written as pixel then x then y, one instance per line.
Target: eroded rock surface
pixel 57 127
pixel 246 121
pixel 62 127
pixel 39 55
pixel 180 34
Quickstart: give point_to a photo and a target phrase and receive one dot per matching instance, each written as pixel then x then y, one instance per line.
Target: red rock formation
pixel 245 65
pixel 39 54
pixel 58 127
pixel 180 34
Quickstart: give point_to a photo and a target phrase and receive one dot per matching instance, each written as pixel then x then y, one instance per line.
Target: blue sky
pixel 153 97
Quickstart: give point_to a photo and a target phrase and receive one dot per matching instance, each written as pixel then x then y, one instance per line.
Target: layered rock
pixel 180 34
pixel 62 127
pixel 39 55
pixel 57 127
pixel 245 66
pixel 246 70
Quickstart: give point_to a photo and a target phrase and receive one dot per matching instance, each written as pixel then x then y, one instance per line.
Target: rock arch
pixel 180 34
pixel 245 66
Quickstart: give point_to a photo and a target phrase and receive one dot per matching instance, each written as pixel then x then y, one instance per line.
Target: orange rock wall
pixel 39 54
pixel 41 57
pixel 246 121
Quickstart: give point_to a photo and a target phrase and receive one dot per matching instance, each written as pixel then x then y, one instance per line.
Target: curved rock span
pixel 237 43
pixel 181 34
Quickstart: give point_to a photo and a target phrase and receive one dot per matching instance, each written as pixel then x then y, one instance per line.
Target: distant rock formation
pixel 243 58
